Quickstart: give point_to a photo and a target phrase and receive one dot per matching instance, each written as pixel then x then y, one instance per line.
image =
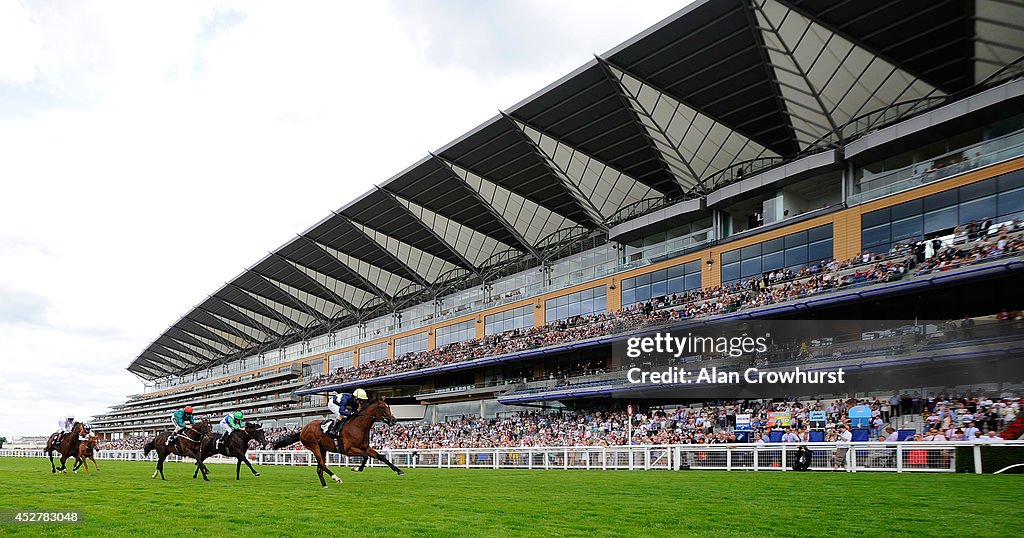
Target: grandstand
pixel 741 160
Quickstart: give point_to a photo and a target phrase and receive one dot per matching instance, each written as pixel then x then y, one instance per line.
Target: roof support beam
pixel 273 313
pixel 254 323
pixel 592 210
pixel 216 352
pixel 467 264
pixel 148 366
pixel 214 336
pixel 337 299
pixel 235 331
pixel 179 354
pixel 802 74
pixel 876 29
pixel 302 304
pixel 700 186
pixel 186 347
pixel 490 209
pixel 366 284
pixel 175 361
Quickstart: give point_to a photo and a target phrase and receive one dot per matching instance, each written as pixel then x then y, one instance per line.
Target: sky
pixel 151 151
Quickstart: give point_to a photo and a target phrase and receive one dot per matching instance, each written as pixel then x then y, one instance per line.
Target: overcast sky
pixel 151 151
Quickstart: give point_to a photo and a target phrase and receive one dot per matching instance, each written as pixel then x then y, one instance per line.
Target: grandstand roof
pixel 669 114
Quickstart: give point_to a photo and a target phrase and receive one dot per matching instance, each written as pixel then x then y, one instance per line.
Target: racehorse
pixel 236 446
pixel 355 439
pixel 87 451
pixel 190 443
pixel 68 447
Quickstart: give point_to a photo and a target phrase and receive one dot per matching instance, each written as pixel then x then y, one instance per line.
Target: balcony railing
pixel 950 164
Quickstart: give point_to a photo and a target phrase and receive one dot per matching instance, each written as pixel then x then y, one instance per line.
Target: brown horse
pixel 67 447
pixel 236 447
pixel 355 439
pixel 87 451
pixel 190 443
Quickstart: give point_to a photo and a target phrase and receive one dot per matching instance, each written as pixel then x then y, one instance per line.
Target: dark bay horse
pixel 190 443
pixel 67 447
pixel 236 447
pixel 355 439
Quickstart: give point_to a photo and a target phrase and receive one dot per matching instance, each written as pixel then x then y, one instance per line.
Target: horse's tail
pixel 287 440
pixel 151 445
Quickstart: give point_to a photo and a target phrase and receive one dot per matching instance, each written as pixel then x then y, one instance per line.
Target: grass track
pixel 122 500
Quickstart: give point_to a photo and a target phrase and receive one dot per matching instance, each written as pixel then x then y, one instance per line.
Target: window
pixel 663 283
pixel 345 359
pixel 459 332
pixel 312 368
pixel 580 303
pixel 517 318
pixel 794 250
pixel 999 198
pixel 376 352
pixel 410 344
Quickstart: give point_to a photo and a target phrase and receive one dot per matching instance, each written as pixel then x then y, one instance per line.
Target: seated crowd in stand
pixel 772 287
pixel 967 418
pixel 941 418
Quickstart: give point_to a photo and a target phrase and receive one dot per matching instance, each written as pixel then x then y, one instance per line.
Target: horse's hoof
pixel 325 487
pixel 354 469
pixel 400 473
pixel 257 474
pixel 336 479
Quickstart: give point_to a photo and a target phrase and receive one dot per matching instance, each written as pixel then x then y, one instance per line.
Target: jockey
pixel 64 425
pixel 231 422
pixel 86 432
pixel 181 419
pixel 344 405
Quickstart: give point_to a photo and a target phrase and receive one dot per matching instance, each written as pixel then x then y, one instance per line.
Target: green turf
pixel 123 500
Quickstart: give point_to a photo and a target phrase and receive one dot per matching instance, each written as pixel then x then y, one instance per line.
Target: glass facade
pixel 376 352
pixel 580 303
pixel 675 279
pixel 1000 198
pixel 459 332
pixel 345 359
pixel 793 250
pixel 410 344
pixel 517 318
pixel 677 240
pixel 312 368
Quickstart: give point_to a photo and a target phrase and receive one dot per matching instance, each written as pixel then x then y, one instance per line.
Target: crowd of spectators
pixel 772 287
pixel 961 419
pixel 938 417
pixel 955 255
pixel 128 443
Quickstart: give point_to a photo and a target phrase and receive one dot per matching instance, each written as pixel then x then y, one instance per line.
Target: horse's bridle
pixel 380 408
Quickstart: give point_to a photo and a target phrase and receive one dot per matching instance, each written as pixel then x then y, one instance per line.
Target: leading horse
pixel 67 447
pixel 354 439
